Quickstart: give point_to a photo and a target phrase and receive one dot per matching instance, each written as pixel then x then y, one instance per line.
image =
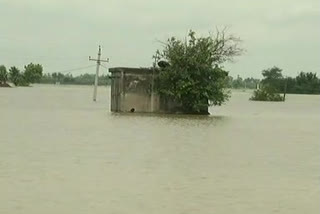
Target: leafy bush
pixel 265 95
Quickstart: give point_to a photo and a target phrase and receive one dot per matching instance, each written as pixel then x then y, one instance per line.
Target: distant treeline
pixel 303 83
pixel 274 84
pixel 239 82
pixel 30 74
pixel 83 79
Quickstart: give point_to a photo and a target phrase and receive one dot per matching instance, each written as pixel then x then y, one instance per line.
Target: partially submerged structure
pixel 133 90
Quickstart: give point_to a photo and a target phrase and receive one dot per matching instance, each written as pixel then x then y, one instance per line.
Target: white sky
pixel 61 34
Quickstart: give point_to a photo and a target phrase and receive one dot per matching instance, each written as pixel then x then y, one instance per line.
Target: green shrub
pixel 265 95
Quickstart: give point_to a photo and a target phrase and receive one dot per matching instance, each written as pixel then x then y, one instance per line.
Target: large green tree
pixel 3 74
pixel 14 75
pixel 192 74
pixel 33 72
pixel 273 79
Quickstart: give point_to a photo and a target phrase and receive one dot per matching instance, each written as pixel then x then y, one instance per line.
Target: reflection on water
pixel 62 153
pixel 178 119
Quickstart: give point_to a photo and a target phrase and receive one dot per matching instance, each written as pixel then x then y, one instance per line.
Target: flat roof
pixel 130 70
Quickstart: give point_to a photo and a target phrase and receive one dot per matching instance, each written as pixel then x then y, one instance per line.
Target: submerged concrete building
pixel 133 90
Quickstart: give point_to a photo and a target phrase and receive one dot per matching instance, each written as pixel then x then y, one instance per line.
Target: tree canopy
pixel 33 72
pixel 194 76
pixel 271 85
pixel 273 79
pixel 14 75
pixel 304 83
pixel 3 74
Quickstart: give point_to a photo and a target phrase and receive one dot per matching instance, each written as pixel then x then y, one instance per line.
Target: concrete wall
pixel 139 102
pixel 131 89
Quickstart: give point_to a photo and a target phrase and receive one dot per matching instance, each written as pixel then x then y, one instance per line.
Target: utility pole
pixel 285 89
pixel 152 83
pixel 98 60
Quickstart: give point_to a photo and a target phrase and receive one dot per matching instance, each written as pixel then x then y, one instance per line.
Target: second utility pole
pixel 97 72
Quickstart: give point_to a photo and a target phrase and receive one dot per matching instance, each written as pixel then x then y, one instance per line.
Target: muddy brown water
pixel 62 153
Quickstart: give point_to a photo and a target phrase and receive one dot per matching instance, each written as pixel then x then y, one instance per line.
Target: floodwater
pixel 62 153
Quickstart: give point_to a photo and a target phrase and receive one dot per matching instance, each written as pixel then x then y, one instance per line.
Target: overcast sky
pixel 61 34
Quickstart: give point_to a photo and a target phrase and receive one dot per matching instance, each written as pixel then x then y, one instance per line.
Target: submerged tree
pixel 14 75
pixel 265 95
pixel 272 84
pixel 191 74
pixel 3 74
pixel 273 79
pixel 33 72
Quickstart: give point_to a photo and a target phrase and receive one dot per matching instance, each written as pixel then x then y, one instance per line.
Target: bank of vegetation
pixel 274 84
pixel 69 79
pixel 242 83
pixel 31 73
pixel 303 83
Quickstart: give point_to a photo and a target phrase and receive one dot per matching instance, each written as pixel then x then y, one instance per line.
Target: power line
pixel 74 69
pixel 104 66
